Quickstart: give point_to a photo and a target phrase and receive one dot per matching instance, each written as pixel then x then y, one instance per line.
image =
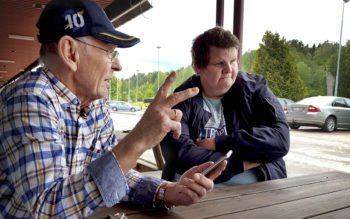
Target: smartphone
pixel 217 163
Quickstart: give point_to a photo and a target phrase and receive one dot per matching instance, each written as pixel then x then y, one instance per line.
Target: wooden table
pixel 324 195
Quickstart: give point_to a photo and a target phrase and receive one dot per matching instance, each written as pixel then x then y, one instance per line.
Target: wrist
pixel 159 201
pixel 126 155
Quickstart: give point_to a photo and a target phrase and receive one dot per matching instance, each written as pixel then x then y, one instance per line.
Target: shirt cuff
pixel 109 178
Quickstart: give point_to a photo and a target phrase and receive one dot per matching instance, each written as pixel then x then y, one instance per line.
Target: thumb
pixel 199 168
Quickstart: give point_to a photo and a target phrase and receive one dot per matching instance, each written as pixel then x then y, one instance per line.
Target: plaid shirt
pixel 54 156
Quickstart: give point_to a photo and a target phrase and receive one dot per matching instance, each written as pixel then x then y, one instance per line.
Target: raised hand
pixel 157 121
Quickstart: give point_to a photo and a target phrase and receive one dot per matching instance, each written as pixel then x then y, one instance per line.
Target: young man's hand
pixel 208 143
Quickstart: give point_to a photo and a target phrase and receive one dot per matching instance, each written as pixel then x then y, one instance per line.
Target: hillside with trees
pixel 315 65
pixel 293 70
pixel 143 86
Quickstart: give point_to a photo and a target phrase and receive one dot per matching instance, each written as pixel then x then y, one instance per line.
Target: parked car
pixel 122 106
pixel 327 112
pixel 284 103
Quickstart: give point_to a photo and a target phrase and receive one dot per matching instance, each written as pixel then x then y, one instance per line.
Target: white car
pixel 327 112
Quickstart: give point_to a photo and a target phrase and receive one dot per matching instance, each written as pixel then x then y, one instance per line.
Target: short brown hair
pixel 217 37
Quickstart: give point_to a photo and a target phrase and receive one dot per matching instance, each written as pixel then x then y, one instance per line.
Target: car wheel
pixel 132 109
pixel 294 126
pixel 330 124
pixel 115 109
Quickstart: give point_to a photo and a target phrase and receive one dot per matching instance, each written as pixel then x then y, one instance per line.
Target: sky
pixel 173 24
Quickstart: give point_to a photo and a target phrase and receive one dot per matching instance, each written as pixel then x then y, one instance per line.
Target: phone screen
pixel 217 163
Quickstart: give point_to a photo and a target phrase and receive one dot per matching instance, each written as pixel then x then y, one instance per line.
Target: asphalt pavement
pixel 314 151
pixel 311 149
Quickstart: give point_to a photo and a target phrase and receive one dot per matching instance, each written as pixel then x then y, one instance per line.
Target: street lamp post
pixel 338 63
pixel 158 47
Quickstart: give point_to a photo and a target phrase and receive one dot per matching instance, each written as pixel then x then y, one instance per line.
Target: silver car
pixel 122 106
pixel 284 103
pixel 327 112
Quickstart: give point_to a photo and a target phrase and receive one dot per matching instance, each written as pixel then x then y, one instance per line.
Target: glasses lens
pixel 114 54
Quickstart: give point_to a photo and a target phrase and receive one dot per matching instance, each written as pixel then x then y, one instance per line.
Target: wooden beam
pixel 220 12
pixel 238 15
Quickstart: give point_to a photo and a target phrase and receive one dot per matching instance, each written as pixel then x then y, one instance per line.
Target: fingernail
pixel 196 176
pixel 195 89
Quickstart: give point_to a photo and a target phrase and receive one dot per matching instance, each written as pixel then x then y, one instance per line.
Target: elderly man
pixel 59 153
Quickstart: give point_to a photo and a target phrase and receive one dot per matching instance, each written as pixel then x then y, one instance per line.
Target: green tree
pixel 344 70
pixel 114 85
pixel 275 62
pixel 148 90
pixel 113 88
pixel 247 61
pixel 322 62
pixel 182 75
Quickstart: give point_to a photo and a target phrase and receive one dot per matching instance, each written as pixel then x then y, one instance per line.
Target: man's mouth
pixel 226 76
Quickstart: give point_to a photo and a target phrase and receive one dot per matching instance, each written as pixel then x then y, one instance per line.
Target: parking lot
pixel 311 150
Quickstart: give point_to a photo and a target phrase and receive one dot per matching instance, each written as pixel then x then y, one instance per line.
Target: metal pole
pixel 158 47
pixel 338 63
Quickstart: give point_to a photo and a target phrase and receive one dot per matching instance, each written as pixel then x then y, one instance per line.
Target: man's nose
pixel 116 66
pixel 227 67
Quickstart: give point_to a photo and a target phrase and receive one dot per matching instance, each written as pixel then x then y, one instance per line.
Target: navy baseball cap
pixel 78 18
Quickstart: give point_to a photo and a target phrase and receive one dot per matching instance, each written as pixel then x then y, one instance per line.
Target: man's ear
pixel 68 52
pixel 197 69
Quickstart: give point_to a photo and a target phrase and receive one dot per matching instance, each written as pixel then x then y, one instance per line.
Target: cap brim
pixel 117 38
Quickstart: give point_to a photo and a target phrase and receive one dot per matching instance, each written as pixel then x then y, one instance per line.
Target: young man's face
pixel 220 73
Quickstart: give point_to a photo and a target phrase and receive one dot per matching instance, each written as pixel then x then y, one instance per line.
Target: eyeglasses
pixel 111 54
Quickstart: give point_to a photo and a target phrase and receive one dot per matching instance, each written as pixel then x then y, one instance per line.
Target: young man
pixel 57 153
pixel 234 110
